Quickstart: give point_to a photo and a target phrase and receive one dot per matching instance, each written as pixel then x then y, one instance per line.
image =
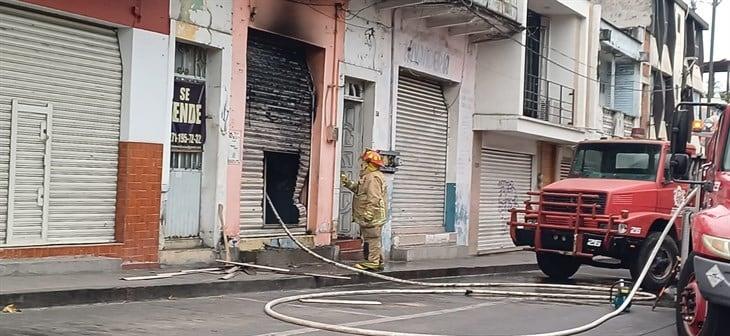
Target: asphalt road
pixel 242 315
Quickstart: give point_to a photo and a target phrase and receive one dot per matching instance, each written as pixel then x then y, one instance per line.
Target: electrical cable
pixel 634 294
pixel 613 86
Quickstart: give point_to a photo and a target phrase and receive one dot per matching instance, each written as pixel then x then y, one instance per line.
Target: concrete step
pixel 182 243
pixel 188 256
pixel 418 239
pixel 405 230
pixel 428 252
pixel 349 244
pixel 58 265
pixel 286 257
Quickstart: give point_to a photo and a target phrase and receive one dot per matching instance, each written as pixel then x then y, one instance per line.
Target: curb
pixel 144 293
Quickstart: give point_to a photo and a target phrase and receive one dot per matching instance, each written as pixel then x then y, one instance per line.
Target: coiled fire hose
pixel 576 292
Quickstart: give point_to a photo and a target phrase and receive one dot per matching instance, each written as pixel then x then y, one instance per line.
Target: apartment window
pixel 534 62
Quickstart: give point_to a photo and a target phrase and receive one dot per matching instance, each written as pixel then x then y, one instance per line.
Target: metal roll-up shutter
pixel 280 101
pixel 421 138
pixel 76 68
pixel 505 180
pixel 625 92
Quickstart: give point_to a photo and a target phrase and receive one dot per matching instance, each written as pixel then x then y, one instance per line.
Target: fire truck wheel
pixel 695 316
pixel 557 266
pixel 660 272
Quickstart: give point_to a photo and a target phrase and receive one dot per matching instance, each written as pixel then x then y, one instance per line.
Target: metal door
pixel 183 197
pixel 421 137
pixel 30 158
pixel 352 138
pixel 506 178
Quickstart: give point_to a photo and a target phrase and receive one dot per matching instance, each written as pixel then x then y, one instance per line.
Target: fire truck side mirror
pixel 681 129
pixel 679 166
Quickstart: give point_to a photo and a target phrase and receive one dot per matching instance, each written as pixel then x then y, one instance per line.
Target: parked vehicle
pixel 609 212
pixel 703 300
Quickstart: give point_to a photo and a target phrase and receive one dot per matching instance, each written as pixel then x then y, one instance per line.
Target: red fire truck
pixel 703 300
pixel 608 213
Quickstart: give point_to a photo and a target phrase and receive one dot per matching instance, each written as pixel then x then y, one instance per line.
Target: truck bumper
pixel 581 244
pixel 713 278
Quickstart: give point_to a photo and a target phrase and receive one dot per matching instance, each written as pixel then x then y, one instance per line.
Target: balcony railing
pixel 549 101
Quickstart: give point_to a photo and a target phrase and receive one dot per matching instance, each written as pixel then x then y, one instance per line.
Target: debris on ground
pixel 11 309
pixel 231 269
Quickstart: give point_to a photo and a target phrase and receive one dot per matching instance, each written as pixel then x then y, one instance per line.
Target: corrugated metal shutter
pixel 505 180
pixel 609 122
pixel 77 68
pixel 625 92
pixel 420 183
pixel 278 119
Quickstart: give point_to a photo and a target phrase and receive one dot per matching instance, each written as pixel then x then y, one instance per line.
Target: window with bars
pixel 186 160
pixel 190 61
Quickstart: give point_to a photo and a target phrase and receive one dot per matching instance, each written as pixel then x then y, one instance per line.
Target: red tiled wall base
pixel 137 215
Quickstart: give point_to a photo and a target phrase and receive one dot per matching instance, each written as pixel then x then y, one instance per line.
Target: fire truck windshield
pixel 625 161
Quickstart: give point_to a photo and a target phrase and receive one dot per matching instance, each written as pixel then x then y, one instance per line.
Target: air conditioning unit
pixel 605 35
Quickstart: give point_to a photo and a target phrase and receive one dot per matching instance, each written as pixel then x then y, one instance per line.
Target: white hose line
pixel 358 331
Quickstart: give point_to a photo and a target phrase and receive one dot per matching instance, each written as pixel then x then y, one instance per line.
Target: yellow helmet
pixel 373 157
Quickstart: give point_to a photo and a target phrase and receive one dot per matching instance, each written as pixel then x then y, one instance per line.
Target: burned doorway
pixel 280 180
pixel 278 126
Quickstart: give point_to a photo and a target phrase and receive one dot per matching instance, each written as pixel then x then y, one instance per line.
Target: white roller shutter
pixel 505 180
pixel 77 68
pixel 625 92
pixel 421 138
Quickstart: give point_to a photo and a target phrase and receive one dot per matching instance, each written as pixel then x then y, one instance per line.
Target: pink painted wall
pixel 322 27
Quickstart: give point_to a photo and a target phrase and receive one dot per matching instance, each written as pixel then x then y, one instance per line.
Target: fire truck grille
pixel 600 201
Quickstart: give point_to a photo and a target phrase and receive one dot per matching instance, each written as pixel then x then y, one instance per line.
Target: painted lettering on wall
pixel 428 58
pixel 188 113
pixel 507 198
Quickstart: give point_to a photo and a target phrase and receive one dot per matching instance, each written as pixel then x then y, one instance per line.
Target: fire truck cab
pixel 703 287
pixel 608 213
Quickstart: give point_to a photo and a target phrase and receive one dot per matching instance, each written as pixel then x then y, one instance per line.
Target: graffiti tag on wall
pixel 428 58
pixel 507 198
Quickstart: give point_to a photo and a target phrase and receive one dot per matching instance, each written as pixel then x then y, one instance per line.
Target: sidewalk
pixel 85 288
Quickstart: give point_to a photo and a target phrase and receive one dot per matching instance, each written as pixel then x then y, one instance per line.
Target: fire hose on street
pixel 573 292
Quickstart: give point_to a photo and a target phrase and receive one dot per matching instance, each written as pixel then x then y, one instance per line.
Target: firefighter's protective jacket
pixel 369 205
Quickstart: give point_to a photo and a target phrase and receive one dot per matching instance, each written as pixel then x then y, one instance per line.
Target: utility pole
pixel 711 86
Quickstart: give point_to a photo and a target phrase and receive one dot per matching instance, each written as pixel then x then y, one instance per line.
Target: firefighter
pixel 368 206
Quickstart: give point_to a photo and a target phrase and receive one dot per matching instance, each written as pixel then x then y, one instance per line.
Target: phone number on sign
pixel 187 139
